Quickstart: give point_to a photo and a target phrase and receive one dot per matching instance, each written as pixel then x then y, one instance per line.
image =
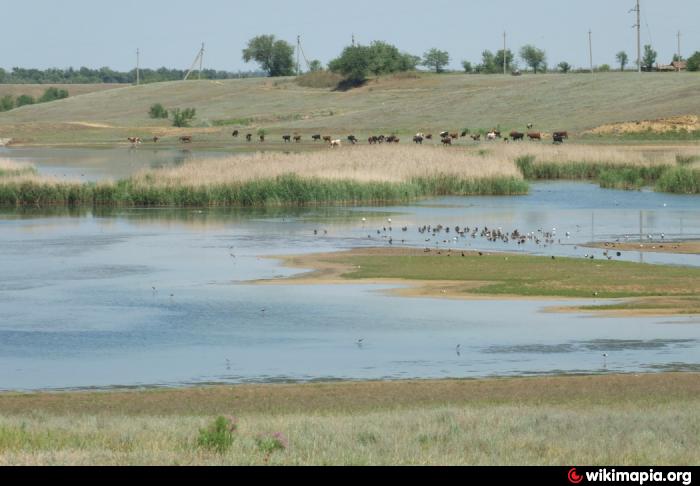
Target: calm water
pixel 78 309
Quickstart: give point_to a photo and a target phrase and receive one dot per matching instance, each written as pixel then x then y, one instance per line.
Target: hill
pixel 401 104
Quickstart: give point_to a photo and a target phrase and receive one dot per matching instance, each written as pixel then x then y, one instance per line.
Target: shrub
pixel 158 111
pixel 268 444
pixel 219 436
pixel 7 103
pixel 53 94
pixel 24 100
pixel 182 118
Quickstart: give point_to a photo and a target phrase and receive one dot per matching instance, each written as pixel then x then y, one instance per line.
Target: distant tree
pixel 622 59
pixel 604 68
pixel 24 100
pixel 158 111
pixel 436 59
pixel 649 58
pixel 276 57
pixel 564 67
pixel 53 94
pixel 353 63
pixel 315 66
pixel 7 103
pixel 356 63
pixel 3 74
pixel 467 66
pixel 534 57
pixel 694 62
pixel 182 118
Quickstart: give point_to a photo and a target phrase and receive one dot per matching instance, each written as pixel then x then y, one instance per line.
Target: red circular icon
pixel 574 477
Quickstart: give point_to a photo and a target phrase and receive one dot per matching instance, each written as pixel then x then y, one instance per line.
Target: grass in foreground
pixel 628 420
pixel 452 275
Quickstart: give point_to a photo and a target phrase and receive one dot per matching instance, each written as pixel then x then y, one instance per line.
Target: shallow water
pixel 78 307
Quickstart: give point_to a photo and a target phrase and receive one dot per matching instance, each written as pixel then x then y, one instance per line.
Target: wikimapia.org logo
pixel 641 478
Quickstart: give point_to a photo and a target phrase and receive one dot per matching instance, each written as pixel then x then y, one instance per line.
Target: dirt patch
pixel 689 123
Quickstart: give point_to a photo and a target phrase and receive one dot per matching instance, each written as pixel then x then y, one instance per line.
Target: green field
pixel 458 274
pixel 402 104
pixel 624 420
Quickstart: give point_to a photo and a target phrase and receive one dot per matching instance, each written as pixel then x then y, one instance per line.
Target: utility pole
pixel 353 40
pixel 138 67
pixel 298 54
pixel 201 61
pixel 505 56
pixel 590 47
pixel 638 25
pixel 679 51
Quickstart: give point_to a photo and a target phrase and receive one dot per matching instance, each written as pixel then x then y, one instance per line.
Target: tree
pixel 357 62
pixel 604 68
pixel 467 66
pixel 353 63
pixel 534 57
pixel 182 118
pixel 564 67
pixel 694 62
pixel 315 66
pixel 622 59
pixel 493 63
pixel 436 59
pixel 649 58
pixel 276 57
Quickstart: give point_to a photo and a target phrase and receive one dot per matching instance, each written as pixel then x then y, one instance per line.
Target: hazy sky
pixel 95 33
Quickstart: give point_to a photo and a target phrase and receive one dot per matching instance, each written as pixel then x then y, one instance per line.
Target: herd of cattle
pixel 447 138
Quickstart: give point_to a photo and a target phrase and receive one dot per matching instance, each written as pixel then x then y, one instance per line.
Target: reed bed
pixel 10 168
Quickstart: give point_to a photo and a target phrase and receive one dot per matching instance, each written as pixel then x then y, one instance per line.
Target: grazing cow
pixel 249 137
pixel 429 136
pixel 316 138
pixel 491 136
pixel 353 139
pixel 517 136
pixel 135 140
pixel 373 140
pixel 287 138
pixel 156 139
pixel 454 136
pixel 235 134
pixel 262 138
pixel 476 137
pixel 186 139
pixel 465 133
pixel 297 138
pixel 418 140
pixel 530 126
pixel 534 136
pixel 327 139
pixel 336 143
pixel 391 139
pixel 381 138
pixel 558 139
pixel 444 134
pixel 420 134
pixel 562 134
pixel 447 141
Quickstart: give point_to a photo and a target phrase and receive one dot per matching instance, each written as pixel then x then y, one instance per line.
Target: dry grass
pixel 626 420
pixel 361 164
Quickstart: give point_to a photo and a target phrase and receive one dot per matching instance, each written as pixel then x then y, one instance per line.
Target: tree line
pixel 9 102
pixel 106 75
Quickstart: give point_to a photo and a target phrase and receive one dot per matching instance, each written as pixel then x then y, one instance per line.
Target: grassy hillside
pixel 402 104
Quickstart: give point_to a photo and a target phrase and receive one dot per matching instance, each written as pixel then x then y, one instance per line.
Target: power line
pixel 590 47
pixel 138 67
pixel 200 59
pixel 638 26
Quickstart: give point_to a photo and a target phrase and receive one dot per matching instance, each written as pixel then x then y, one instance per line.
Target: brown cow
pixel 476 138
pixel 516 136
pixel 328 139
pixel 156 139
pixel 447 141
pixel 135 140
pixel 186 139
pixel 297 138
pixel 235 134
pixel 454 136
pixel 534 136
pixel 262 138
pixel 429 136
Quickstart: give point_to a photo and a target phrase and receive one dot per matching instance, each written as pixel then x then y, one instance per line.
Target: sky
pixel 95 33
